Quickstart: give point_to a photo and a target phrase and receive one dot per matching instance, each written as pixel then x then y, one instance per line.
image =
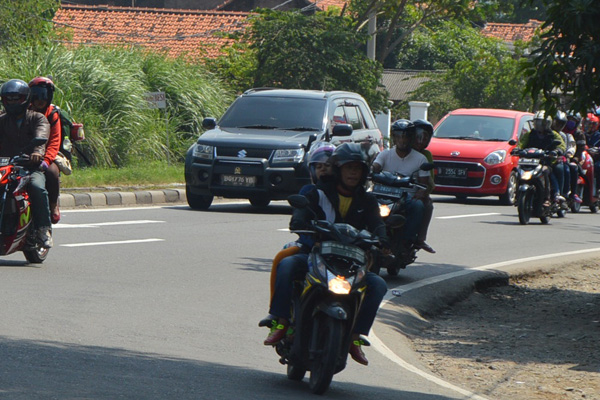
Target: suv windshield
pixel 262 112
pixel 473 127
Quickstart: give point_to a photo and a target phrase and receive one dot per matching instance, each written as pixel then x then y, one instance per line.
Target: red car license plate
pixel 238 180
pixel 453 172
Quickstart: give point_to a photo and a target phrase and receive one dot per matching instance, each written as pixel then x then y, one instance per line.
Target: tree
pixel 320 51
pixel 568 57
pixel 26 21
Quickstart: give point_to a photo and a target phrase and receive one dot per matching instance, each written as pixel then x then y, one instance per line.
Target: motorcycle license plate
pixel 344 250
pixel 238 180
pixel 387 190
pixel 452 172
pixel 4 161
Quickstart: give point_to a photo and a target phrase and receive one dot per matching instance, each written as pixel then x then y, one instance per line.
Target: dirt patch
pixel 537 338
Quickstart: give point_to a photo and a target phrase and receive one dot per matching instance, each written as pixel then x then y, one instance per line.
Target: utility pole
pixel 372 36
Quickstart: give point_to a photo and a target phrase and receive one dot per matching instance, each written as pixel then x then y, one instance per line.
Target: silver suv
pixel 257 150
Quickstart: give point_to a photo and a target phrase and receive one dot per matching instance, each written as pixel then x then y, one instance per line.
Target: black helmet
pixel 402 126
pixel 13 90
pixel 423 126
pixel 349 152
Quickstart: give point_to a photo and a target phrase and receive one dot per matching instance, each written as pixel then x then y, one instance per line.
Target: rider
pixel 592 135
pixel 423 134
pixel 42 91
pixel 342 199
pixel 544 138
pixel 18 126
pixel 402 160
pixel 570 171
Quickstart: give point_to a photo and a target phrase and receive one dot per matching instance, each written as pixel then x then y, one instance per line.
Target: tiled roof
pixel 512 32
pixel 193 33
pixel 325 4
pixel 401 82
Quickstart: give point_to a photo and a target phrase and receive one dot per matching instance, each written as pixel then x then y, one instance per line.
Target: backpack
pixel 71 131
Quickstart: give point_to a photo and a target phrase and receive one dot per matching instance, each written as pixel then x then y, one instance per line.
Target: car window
pixel 475 127
pixel 275 112
pixel 348 114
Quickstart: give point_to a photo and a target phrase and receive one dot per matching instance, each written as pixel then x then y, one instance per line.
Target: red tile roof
pixel 512 32
pixel 193 33
pixel 325 4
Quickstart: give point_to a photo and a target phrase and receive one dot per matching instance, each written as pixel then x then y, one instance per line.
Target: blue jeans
pixel 557 178
pixel 414 210
pixel 295 268
pixel 39 200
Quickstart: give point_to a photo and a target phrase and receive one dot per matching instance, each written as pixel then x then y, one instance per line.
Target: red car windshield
pixel 475 127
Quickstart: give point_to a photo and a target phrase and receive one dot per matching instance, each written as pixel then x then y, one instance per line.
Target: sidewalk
pixel 100 197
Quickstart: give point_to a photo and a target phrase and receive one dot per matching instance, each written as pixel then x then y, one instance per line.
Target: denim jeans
pixel 414 210
pixel 39 200
pixel 295 267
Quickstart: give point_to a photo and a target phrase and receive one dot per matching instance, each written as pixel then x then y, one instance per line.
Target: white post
pixel 418 110
pixel 372 26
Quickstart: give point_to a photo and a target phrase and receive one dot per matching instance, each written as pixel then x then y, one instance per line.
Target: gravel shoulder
pixel 537 338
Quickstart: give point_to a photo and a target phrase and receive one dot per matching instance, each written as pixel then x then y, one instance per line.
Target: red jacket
pixel 53 144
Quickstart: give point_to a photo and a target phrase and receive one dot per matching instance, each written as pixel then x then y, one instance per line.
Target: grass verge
pixel 155 173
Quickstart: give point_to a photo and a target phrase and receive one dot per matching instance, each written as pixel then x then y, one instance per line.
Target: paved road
pixel 162 303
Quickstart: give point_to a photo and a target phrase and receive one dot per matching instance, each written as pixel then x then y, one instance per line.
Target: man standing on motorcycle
pixel 401 159
pixel 544 138
pixel 342 199
pixel 18 127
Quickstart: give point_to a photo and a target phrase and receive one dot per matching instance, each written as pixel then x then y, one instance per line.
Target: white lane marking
pixel 97 224
pixel 92 210
pixel 467 216
pixel 111 243
pixel 390 355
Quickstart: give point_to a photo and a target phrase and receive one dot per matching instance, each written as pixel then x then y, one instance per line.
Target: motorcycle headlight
pixel 338 284
pixel 204 151
pixel 287 156
pixel 526 175
pixel 384 210
pixel 495 157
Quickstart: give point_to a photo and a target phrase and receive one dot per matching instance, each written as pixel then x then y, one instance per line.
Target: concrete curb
pixel 117 198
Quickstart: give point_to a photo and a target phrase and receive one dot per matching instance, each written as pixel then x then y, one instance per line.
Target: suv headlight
pixel 204 151
pixel 495 157
pixel 288 156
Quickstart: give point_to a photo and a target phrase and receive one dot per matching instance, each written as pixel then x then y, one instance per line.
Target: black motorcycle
pixel 532 188
pixel 392 193
pixel 326 303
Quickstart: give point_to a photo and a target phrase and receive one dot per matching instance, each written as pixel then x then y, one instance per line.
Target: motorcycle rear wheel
pixel 330 343
pixel 525 207
pixel 576 207
pixel 36 255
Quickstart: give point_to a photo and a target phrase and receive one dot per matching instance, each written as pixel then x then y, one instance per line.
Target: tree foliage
pixel 568 57
pixel 26 22
pixel 320 51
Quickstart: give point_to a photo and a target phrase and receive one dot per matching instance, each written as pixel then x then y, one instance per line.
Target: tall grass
pixel 104 88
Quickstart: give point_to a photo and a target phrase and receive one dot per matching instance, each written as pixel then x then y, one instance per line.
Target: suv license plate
pixel 238 180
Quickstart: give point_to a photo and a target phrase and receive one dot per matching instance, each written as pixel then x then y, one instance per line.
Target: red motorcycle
pixel 16 228
pixel 586 184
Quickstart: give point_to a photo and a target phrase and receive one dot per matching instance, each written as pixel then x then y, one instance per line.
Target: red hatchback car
pixel 471 152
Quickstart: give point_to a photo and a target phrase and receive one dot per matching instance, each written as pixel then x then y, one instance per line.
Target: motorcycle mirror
pixel 298 201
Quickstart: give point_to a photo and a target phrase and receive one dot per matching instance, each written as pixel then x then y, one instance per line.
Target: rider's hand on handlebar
pixel 36 158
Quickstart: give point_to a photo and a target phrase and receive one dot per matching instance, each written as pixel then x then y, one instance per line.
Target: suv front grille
pixel 234 151
pixel 473 178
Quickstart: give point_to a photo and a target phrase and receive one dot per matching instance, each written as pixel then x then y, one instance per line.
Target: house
pixel 510 33
pixel 191 33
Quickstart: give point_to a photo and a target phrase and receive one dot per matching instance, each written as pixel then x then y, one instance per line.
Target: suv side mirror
pixel 209 123
pixel 342 130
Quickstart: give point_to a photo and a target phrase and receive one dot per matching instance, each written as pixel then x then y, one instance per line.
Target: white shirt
pixel 390 161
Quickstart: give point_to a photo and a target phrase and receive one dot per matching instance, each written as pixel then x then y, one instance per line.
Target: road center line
pixel 111 243
pixel 467 215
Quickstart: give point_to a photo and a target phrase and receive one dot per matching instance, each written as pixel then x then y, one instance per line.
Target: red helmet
pixel 591 123
pixel 41 89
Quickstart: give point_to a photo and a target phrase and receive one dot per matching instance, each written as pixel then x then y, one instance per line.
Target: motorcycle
pixel 326 303
pixel 16 228
pixel 391 191
pixel 531 188
pixel 586 184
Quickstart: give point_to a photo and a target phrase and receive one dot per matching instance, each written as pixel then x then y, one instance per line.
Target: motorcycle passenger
pixel 423 134
pixel 402 160
pixel 570 171
pixel 592 135
pixel 543 137
pixel 18 127
pixel 42 91
pixel 342 199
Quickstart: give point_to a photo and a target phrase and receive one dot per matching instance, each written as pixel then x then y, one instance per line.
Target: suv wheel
pixel 198 202
pixel 259 202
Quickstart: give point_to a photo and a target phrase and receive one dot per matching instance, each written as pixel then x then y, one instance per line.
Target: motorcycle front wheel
pixel 329 343
pixel 525 207
pixel 35 254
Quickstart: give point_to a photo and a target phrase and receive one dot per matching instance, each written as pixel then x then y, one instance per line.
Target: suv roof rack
pixel 259 89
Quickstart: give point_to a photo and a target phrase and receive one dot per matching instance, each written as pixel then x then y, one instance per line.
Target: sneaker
pixel 269 320
pixel 424 246
pixel 44 235
pixel 278 332
pixel 356 352
pixel 577 199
